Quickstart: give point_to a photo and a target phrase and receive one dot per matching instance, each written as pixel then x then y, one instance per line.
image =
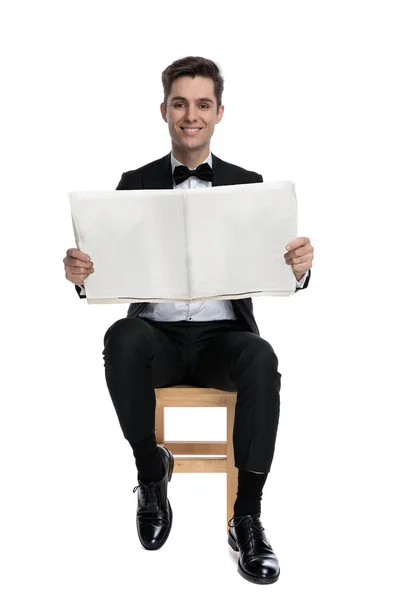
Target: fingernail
pixel 287 247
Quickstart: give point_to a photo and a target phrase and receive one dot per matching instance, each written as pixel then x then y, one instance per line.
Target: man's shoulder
pixel 149 167
pixel 235 170
pixel 134 178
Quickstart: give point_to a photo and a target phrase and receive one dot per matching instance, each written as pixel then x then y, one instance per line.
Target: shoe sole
pixel 171 462
pixel 243 573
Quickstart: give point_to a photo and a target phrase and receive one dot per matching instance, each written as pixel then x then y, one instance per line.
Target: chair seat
pixel 190 395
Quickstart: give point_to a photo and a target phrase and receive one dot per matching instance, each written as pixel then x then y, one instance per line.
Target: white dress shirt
pixel 201 310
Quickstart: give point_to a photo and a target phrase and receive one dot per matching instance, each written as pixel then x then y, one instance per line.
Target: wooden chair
pixel 186 395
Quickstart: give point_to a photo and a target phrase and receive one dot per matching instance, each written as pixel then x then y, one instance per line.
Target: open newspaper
pixel 224 242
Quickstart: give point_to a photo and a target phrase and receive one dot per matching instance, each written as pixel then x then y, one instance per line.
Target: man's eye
pixel 177 104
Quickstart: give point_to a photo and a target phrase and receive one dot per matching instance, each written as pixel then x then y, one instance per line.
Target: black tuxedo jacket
pixel 158 175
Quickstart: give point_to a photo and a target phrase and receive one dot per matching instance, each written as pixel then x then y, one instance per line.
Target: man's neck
pixel 191 158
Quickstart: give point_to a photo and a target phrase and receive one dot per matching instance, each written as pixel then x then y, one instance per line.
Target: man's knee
pixel 261 352
pixel 125 331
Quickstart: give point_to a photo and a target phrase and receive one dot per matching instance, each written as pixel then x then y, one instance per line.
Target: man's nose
pixel 191 113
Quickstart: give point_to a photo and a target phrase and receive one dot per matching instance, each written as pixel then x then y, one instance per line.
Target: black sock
pixel 249 494
pixel 148 460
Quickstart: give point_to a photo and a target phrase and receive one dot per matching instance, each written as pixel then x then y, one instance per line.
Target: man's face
pixel 191 111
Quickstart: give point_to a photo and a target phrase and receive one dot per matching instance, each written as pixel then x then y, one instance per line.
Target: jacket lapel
pixel 161 175
pixel 221 174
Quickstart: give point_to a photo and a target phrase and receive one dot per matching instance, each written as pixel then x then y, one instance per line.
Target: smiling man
pixel 191 111
pixel 213 343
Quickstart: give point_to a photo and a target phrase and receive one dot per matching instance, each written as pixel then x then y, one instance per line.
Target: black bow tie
pixel 203 171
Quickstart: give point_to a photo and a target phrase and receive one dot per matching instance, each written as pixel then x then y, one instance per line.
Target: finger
pixel 301 269
pixel 74 262
pixel 76 276
pixel 301 260
pixel 301 251
pixel 79 270
pixel 300 241
pixel 296 260
pixel 75 253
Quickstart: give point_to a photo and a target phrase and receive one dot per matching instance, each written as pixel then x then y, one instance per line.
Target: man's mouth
pixel 191 130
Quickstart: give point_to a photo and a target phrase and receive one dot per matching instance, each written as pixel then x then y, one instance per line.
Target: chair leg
pixel 160 425
pixel 231 470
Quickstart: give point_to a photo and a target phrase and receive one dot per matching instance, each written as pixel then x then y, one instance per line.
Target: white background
pixel 310 96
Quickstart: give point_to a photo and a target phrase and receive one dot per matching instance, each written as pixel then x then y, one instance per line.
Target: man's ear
pixel 220 113
pixel 163 111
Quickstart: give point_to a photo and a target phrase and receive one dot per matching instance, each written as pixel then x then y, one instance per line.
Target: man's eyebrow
pixel 175 98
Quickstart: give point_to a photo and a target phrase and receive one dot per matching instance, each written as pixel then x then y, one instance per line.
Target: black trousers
pixel 142 354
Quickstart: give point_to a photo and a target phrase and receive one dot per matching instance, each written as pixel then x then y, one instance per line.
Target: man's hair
pixel 192 66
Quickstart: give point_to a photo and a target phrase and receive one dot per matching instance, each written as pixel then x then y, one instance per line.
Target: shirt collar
pixel 175 162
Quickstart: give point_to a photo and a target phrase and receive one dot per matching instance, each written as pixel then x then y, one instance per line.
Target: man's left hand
pixel 300 256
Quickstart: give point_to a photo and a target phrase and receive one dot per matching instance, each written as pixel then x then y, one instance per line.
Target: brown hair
pixel 192 66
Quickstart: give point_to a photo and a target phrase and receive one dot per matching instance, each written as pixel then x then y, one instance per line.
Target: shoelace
pixel 150 492
pixel 251 521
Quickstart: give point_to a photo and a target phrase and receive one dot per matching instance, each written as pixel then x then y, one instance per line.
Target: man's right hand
pixel 77 266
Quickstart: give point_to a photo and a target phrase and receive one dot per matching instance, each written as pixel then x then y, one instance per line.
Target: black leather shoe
pixel 257 562
pixel 154 513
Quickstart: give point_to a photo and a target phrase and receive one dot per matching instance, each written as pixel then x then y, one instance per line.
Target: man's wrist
pixel 301 278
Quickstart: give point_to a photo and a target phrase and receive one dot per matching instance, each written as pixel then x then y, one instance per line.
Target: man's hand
pixel 78 266
pixel 300 256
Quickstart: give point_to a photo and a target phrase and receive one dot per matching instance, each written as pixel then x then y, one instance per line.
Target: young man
pixel 206 343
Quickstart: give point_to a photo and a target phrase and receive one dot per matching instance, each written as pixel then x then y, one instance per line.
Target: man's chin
pixel 193 144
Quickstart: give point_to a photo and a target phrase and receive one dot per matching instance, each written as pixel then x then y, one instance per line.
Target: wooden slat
pixel 188 395
pixel 196 447
pixel 199 465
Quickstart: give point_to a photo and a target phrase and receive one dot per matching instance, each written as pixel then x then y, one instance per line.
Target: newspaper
pixel 223 242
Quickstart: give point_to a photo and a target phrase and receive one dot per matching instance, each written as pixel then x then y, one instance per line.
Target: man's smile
pixel 191 130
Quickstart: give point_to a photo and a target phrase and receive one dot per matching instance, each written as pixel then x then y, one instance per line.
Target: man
pixel 205 343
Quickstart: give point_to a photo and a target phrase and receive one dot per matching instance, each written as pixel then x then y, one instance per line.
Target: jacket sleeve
pixel 80 289
pixel 306 282
pixel 123 183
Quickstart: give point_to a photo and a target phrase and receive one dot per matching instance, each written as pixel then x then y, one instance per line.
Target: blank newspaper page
pixel 237 238
pixel 223 242
pixel 137 242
